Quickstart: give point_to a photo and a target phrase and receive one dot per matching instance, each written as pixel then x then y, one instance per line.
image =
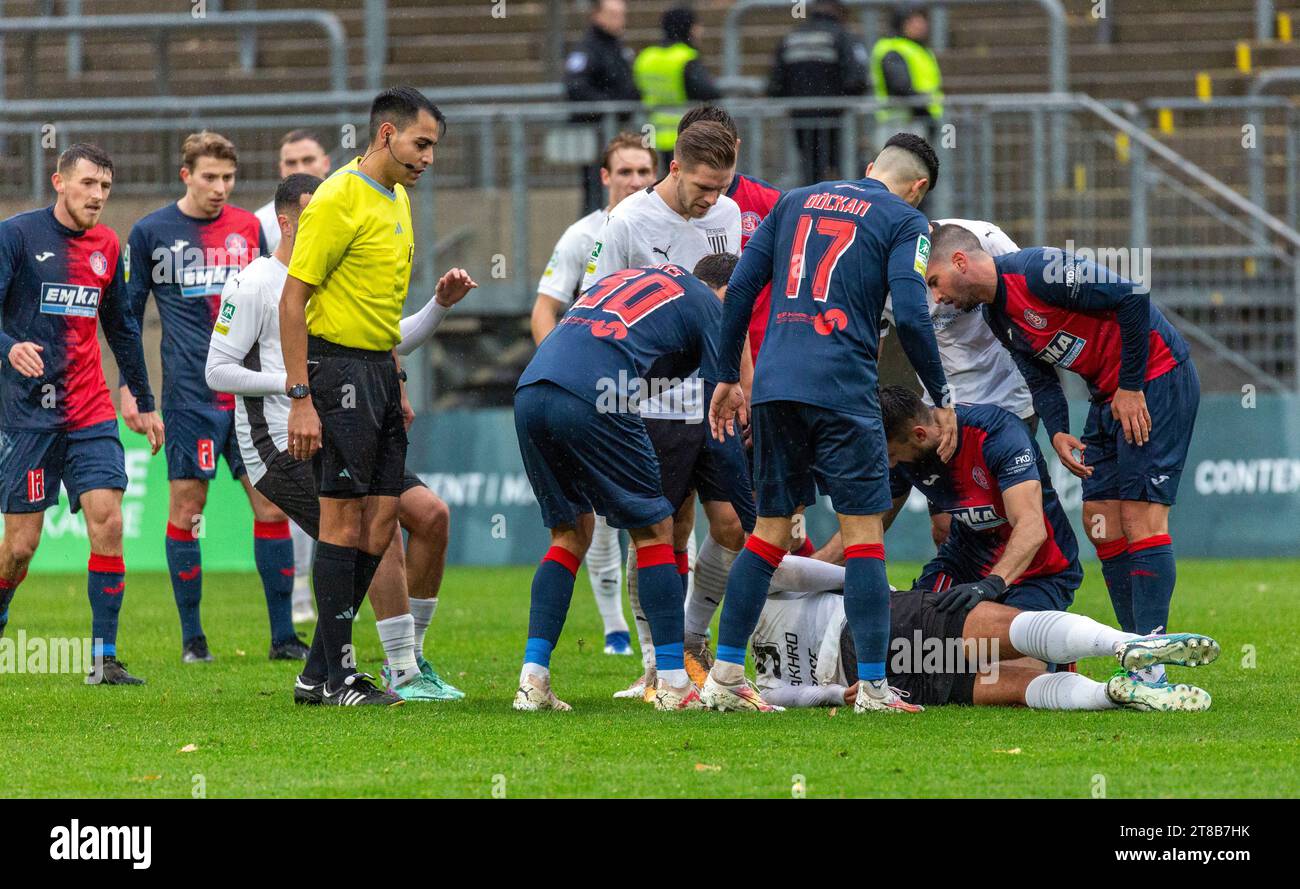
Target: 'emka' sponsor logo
pixel 79 300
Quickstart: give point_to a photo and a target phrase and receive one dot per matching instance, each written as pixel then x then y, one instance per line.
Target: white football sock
pixel 674 678
pixel 692 556
pixel 1059 637
pixel 1154 673
pixel 711 570
pixel 397 635
pixel 537 671
pixel 604 570
pixel 804 575
pixel 727 673
pixel 304 548
pixel 642 625
pixel 422 613
pixel 1067 691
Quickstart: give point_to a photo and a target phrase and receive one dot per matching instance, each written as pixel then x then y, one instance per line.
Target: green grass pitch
pixel 230 729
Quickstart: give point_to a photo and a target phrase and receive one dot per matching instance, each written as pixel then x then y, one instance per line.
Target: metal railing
pixel 508 193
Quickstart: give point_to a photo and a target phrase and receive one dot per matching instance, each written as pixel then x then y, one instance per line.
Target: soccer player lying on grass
pixel 802 646
pixel 244 358
pixel 588 452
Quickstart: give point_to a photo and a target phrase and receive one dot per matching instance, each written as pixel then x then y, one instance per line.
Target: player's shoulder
pixel 15 226
pixel 636 204
pixel 238 216
pixel 586 229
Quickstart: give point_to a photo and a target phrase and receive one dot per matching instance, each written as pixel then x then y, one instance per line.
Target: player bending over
pixel 245 358
pixel 804 652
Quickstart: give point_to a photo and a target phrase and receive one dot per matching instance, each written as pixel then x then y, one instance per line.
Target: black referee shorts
pixel 291 485
pixel 363 439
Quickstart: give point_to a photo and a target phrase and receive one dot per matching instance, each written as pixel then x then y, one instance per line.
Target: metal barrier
pixel 76 25
pixel 505 182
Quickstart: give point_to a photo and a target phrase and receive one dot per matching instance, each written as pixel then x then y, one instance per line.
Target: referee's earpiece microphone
pixel 388 143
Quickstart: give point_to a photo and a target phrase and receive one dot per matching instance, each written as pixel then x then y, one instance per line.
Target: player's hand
pixel 131 413
pixel 947 420
pixel 851 695
pixel 727 405
pixel 152 429
pixel 1065 445
pixel 408 412
pixel 304 429
pixel 452 287
pixel 26 359
pixel 965 596
pixel 1130 408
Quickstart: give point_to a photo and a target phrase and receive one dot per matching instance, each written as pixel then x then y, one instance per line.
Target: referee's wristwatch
pixel 299 390
pixel 401 375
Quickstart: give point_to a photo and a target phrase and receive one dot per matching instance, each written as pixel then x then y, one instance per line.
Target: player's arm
pixel 419 328
pixel 783 695
pixel 1024 505
pixel 547 311
pixel 1097 290
pixel 122 332
pixel 24 357
pixel 238 328
pixel 751 275
pixel 137 285
pixel 906 275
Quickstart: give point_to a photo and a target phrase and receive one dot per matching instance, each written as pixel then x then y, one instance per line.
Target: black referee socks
pixel 367 565
pixel 333 575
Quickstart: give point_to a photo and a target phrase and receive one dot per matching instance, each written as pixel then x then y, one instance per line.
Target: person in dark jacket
pixel 819 58
pixel 599 69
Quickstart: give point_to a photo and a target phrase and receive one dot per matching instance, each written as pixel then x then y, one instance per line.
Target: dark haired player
pixel 587 453
pixel 833 251
pixel 182 254
pixel 340 316
pixel 1053 310
pixel 60 272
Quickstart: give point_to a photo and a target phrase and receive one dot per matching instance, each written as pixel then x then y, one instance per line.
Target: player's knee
pixel 1102 523
pixel 105 531
pixel 23 544
pixel 727 531
pixel 1141 520
pixel 440 522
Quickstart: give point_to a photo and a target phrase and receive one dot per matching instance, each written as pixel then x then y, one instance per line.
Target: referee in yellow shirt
pixel 339 316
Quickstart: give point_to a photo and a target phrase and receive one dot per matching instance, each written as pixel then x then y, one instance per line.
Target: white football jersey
pixel 979 369
pixel 797 641
pixel 270 225
pixel 642 231
pixel 568 265
pixel 248 324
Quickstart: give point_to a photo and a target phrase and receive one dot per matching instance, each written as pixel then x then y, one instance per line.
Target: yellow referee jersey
pixel 355 245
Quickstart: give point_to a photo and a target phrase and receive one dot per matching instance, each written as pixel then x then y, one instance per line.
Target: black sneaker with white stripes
pixel 289 650
pixel 110 671
pixel 359 690
pixel 195 651
pixel 307 692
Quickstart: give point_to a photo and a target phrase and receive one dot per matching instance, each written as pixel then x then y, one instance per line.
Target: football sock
pixel 692 551
pixel 397 635
pixel 422 613
pixel 106 587
pixel 185 565
pixel 683 560
pixel 605 571
pixel 1115 569
pixel 273 554
pixel 1153 571
pixel 711 570
pixel 801 574
pixel 362 576
pixel 660 591
pixel 866 606
pixel 1059 637
pixel 642 625
pixel 303 548
pixel 551 594
pixel 7 590
pixel 1067 691
pixel 746 594
pixel 334 577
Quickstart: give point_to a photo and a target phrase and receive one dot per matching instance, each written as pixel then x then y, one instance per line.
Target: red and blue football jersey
pixel 56 285
pixel 756 199
pixel 832 253
pixel 185 262
pixel 994 454
pixel 1054 309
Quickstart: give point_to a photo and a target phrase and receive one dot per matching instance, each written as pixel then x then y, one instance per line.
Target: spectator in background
pixel 671 76
pixel 819 58
pixel 599 69
pixel 903 67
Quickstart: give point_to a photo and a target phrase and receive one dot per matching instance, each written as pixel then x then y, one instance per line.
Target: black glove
pixel 965 596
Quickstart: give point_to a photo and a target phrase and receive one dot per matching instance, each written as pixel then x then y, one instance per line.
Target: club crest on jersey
pixel 749 222
pixel 977 518
pixel 78 300
pixel 717 240
pixel 235 244
pixel 1035 320
pixel 98 263
pixel 1063 350
pixel 981 477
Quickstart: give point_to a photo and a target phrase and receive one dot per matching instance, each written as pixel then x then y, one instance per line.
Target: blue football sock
pixel 273 553
pixel 866 606
pixel 552 592
pixel 106 587
pixel 1115 569
pixel 185 565
pixel 1153 572
pixel 663 602
pixel 7 590
pixel 751 575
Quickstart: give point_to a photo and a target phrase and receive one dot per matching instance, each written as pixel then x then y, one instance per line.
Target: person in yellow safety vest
pixel 671 76
pixel 903 67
